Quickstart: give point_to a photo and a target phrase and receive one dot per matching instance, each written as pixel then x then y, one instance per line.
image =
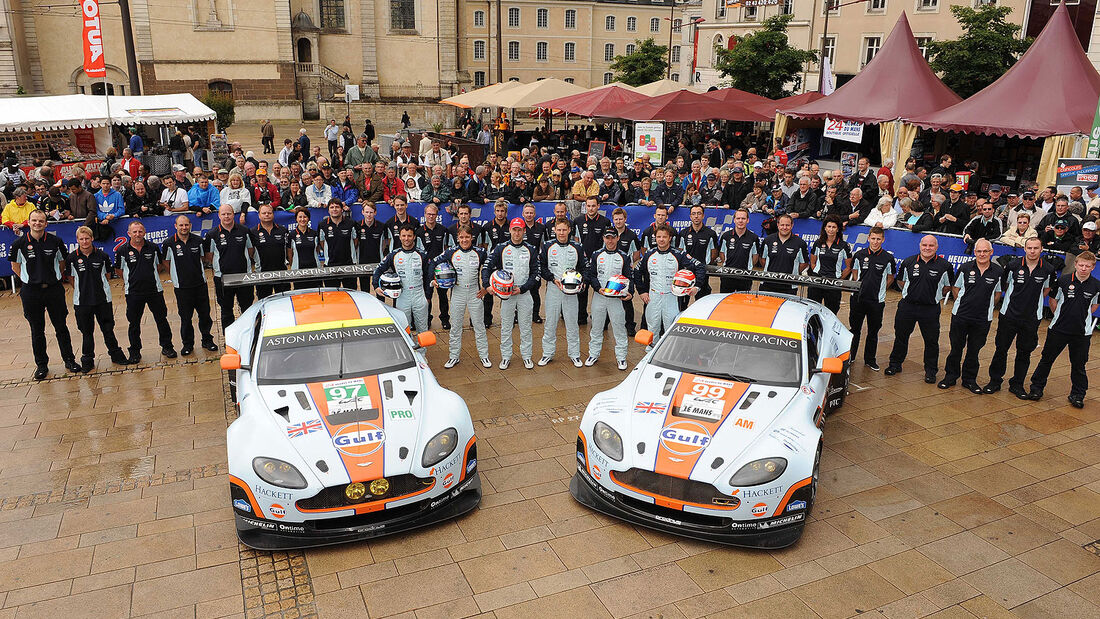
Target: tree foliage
pixel 988 46
pixel 647 64
pixel 222 105
pixel 764 62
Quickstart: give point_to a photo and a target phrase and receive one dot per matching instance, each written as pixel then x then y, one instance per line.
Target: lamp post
pixel 671 23
pixel 830 5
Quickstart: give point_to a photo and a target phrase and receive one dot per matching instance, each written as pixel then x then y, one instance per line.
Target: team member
pixel 138 262
pixel 555 259
pixel 977 288
pixel 495 233
pixel 1073 300
pixel 230 251
pixel 184 252
pixel 699 242
pixel 561 211
pixel 738 248
pixel 536 235
pixel 433 238
pixel 1027 281
pixel 829 257
pixel 660 217
pixel 653 279
pixel 518 258
pixel 400 217
pixel 783 252
pixel 462 218
pixel 88 266
pixel 269 239
pixel 874 267
pixel 338 242
pixel 467 260
pixel 38 260
pixel 303 244
pixel 410 263
pixel 604 264
pixel 631 245
pixel 926 279
pixel 588 230
pixel 370 240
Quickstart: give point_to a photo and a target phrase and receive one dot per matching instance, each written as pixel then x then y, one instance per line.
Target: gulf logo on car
pixel 448 480
pixel 759 509
pixel 277 510
pixel 685 438
pixel 358 439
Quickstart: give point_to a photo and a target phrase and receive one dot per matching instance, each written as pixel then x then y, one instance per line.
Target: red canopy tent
pixel 599 102
pixel 687 106
pixel 796 100
pixel 740 98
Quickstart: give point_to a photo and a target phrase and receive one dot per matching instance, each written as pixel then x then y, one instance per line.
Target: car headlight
pixel 759 472
pixel 608 440
pixel 278 473
pixel 441 446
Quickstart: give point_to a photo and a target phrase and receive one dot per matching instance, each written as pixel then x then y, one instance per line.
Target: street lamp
pixel 830 5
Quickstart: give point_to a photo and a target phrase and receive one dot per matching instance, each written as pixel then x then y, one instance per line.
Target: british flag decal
pixel 304 428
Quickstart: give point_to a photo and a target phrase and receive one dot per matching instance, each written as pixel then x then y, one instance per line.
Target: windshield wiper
pixel 734 377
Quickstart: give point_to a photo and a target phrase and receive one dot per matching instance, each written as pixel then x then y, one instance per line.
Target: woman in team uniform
pixel 830 256
pixel 303 244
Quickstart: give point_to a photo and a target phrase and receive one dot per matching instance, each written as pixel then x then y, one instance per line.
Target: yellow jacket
pixel 15 214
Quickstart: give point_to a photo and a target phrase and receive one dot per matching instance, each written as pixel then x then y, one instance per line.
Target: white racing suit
pixel 601 267
pixel 522 262
pixel 467 265
pixel 555 260
pixel 654 275
pixel 412 267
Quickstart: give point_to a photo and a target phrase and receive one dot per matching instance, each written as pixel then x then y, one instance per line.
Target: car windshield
pixel 328 354
pixel 731 354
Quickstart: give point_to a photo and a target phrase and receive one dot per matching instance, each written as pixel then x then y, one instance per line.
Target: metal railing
pixel 326 74
pixel 414 92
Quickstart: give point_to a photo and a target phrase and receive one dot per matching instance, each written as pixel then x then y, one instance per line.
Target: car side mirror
pixel 831 365
pixel 425 339
pixel 644 337
pixel 231 361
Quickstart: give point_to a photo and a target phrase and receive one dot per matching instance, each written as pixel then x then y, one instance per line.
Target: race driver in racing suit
pixel 604 264
pixel 467 260
pixel 520 259
pixel 411 265
pixel 555 259
pixel 653 279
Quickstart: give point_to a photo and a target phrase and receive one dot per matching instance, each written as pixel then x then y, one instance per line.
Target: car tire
pixel 815 478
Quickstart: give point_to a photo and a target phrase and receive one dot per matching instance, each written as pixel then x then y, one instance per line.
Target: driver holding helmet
pixel 654 277
pixel 556 259
pixel 609 304
pixel 516 257
pixel 466 259
pixel 411 265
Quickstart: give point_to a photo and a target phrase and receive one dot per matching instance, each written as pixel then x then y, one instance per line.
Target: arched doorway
pixel 305 50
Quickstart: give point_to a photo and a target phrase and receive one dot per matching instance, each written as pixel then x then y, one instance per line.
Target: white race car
pixel 343 432
pixel 716 434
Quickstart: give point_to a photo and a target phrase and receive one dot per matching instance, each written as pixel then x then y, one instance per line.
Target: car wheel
pixel 815 477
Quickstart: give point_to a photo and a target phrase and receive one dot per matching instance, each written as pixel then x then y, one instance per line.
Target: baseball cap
pixel 712 175
pixel 1061 223
pixel 261 172
pixel 1089 225
pixel 521 179
pixel 1013 194
pixel 223 171
pixel 994 187
pixel 517 222
pixel 613 232
pixel 758 165
pixel 178 168
pixel 777 188
pixel 592 168
pixel 575 169
pixel 1029 194
pixel 326 165
pixel 956 187
pixel 937 175
pixel 1092 187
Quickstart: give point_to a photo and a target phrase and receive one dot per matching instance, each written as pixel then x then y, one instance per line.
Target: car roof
pixel 320 307
pixel 751 311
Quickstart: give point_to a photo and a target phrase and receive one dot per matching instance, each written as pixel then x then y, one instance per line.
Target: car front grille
pixel 687 518
pixel 333 496
pixel 685 490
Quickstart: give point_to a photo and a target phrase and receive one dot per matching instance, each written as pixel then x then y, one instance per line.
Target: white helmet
pixel 390 284
pixel 571 282
pixel 683 282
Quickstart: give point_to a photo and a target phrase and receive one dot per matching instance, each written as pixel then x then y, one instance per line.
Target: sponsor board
pixel 667 520
pixel 452 494
pixel 401 413
pixel 471 465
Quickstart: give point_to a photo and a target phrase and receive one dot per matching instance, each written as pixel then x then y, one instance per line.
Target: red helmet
pixel 683 282
pixel 502 284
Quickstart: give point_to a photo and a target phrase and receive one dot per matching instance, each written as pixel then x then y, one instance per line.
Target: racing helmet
pixel 682 282
pixel 502 284
pixel 616 286
pixel 571 282
pixel 445 275
pixel 390 284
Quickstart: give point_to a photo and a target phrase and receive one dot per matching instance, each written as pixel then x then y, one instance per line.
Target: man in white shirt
pixel 319 192
pixel 173 198
pixel 425 144
pixel 332 134
pixel 284 155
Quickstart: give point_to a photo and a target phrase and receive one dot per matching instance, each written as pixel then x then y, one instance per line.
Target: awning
pixel 26 113
pixel 743 100
pixel 687 106
pixel 482 97
pixel 533 94
pixel 598 102
pixel 663 87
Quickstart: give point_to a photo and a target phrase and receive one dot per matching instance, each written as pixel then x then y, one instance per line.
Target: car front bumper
pixel 777 532
pixel 263 534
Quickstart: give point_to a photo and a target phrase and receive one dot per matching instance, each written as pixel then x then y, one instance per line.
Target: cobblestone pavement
pixel 114 502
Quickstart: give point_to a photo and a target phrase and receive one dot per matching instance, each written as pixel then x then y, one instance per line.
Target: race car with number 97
pixel 716 433
pixel 343 433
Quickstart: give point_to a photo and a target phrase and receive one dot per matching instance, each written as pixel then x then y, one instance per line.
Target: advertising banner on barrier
pixel 1077 173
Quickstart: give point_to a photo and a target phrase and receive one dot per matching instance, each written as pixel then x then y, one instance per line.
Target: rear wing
pixel 316 274
pixel 784 278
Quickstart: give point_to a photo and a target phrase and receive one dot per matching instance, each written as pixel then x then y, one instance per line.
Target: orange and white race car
pixel 716 433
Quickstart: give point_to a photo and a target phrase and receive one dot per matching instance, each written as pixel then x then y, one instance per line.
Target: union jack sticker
pixel 301 429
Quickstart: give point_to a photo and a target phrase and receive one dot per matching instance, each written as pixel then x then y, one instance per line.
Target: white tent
pixel 482 97
pixel 530 95
pixel 622 85
pixel 50 113
pixel 663 87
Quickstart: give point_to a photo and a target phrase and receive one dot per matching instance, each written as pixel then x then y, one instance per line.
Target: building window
pixel 788 7
pixel 631 24
pixel 513 79
pixel 219 86
pixel 830 47
pixel 719 43
pixel 479 50
pixel 978 3
pixel 542 51
pixel 720 9
pixel 570 19
pixel 568 80
pixel 675 54
pixel 608 52
pixel 513 51
pixel 928 5
pixel 332 14
pixel 542 18
pixel 513 17
pixel 403 14
pixel 479 79
pixel 675 77
pixel 607 77
pixel 922 45
pixel 630 47
pixel 654 25
pixel 749 14
pixel 871 46
pixel 609 22
pixel 832 5
pixel 479 19
pixel 876 6
pixel 676 23
pixel 570 52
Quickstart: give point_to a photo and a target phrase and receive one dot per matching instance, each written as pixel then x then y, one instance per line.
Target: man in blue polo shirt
pixel 925 279
pixel 977 289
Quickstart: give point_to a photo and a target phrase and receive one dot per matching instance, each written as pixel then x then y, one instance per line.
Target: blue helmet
pixel 445 276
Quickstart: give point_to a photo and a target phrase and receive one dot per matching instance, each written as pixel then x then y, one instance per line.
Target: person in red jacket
pixel 391 185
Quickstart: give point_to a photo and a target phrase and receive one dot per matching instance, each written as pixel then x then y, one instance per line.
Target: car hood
pixel 691 426
pixel 352 429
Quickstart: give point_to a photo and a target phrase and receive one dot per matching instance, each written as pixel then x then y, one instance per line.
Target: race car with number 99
pixel 716 433
pixel 343 432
